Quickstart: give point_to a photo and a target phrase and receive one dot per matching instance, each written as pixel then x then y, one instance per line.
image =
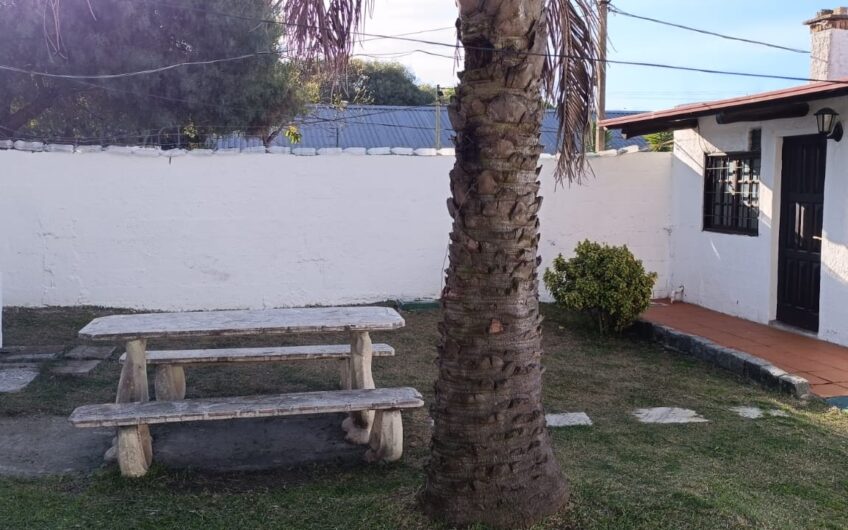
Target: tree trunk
pixel 492 460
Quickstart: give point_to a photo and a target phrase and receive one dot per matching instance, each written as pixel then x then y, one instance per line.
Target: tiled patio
pixel 823 364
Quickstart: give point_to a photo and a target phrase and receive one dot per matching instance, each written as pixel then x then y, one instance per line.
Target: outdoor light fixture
pixel 829 126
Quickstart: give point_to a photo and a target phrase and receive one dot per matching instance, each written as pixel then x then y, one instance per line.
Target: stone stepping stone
pixel 15 379
pixel 30 354
pixel 668 415
pixel 754 413
pixel 26 350
pixel 90 352
pixel 75 367
pixel 28 357
pixel 568 419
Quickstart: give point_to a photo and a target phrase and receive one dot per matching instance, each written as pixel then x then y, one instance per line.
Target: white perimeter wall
pixel 263 230
pixel 737 274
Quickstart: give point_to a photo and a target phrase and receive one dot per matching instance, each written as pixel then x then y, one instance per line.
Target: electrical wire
pixel 433 30
pixel 79 78
pixel 562 56
pixel 395 55
pixel 137 72
pixel 618 11
pixel 433 43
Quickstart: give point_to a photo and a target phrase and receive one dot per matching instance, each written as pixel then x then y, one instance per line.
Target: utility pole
pixel 438 117
pixel 601 87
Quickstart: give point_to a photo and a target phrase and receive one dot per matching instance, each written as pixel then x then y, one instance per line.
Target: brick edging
pixel 744 364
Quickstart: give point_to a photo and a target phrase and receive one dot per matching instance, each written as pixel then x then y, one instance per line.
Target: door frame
pixel 779 195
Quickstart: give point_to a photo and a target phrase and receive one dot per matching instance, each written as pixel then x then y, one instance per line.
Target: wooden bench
pixel 135 449
pixel 169 381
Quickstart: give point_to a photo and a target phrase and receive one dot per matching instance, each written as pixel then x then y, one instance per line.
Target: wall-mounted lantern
pixel 828 123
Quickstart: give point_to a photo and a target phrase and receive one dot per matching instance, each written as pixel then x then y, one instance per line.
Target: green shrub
pixel 605 283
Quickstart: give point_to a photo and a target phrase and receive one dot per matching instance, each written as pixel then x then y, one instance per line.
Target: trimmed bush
pixel 605 283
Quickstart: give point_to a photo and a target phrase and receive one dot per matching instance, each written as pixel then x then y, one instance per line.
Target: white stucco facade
pixel 826 58
pixel 215 231
pixel 737 274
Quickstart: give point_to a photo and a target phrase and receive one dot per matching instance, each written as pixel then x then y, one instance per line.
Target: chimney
pixel 829 32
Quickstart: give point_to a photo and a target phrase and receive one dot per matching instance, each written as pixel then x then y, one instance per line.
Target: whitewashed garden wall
pixel 248 230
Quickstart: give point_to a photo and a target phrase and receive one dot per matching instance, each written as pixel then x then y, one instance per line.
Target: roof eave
pixel 783 101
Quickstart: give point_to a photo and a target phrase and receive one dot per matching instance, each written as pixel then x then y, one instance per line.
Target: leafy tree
pixel 370 83
pixel 431 90
pixel 662 141
pixel 107 36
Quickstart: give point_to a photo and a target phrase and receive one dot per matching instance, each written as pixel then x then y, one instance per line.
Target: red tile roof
pixel 810 91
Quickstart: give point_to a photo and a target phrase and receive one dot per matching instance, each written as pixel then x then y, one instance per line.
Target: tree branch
pixel 43 101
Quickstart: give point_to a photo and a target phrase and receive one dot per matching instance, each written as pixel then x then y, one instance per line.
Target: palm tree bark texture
pixel 492 461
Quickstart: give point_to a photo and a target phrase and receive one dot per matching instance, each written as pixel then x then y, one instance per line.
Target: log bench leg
pixel 132 387
pixel 386 443
pixel 169 382
pixel 134 452
pixel 358 424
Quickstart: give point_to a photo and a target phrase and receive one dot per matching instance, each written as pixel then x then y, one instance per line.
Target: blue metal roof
pixel 394 126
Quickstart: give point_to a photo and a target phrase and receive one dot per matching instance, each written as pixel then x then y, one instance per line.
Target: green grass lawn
pixel 729 473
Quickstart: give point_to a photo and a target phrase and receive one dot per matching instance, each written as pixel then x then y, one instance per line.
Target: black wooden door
pixel 799 251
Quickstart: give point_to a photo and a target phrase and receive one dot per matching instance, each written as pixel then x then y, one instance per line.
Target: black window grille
pixel 755 140
pixel 732 193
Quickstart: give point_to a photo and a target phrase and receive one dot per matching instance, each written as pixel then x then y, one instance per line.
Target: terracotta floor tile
pixel 835 362
pixel 807 365
pixel 812 378
pixel 834 376
pixel 768 342
pixel 745 344
pixel 829 390
pixel 824 364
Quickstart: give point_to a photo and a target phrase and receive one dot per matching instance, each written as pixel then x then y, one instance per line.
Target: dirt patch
pixel 254 444
pixel 32 446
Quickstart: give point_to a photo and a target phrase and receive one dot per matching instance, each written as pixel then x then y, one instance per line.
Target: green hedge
pixel 605 283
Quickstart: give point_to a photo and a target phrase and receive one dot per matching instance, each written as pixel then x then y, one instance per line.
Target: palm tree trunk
pixel 492 460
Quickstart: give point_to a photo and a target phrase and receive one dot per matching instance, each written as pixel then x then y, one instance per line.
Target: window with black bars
pixel 732 193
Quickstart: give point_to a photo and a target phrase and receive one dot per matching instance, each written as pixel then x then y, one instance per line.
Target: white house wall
pixel 264 230
pixel 737 274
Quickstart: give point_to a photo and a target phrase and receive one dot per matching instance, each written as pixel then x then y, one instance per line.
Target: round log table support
pixel 134 456
pixel 169 382
pixel 386 443
pixel 358 424
pixel 134 445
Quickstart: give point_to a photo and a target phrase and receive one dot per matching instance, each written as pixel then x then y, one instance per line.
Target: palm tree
pixel 492 461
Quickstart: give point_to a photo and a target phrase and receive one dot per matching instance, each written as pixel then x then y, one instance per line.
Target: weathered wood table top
pixel 243 322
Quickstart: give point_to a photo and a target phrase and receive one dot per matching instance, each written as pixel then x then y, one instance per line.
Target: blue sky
pixel 639 88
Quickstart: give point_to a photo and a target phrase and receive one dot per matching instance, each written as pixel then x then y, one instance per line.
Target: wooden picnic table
pixel 136 329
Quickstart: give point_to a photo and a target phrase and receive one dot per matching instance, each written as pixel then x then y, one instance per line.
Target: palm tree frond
pixel 324 28
pixel 572 57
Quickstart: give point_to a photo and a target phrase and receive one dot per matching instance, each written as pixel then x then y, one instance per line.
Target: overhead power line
pixel 396 55
pixel 432 43
pixel 406 39
pixel 137 72
pixel 444 28
pixel 401 37
pixel 618 11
